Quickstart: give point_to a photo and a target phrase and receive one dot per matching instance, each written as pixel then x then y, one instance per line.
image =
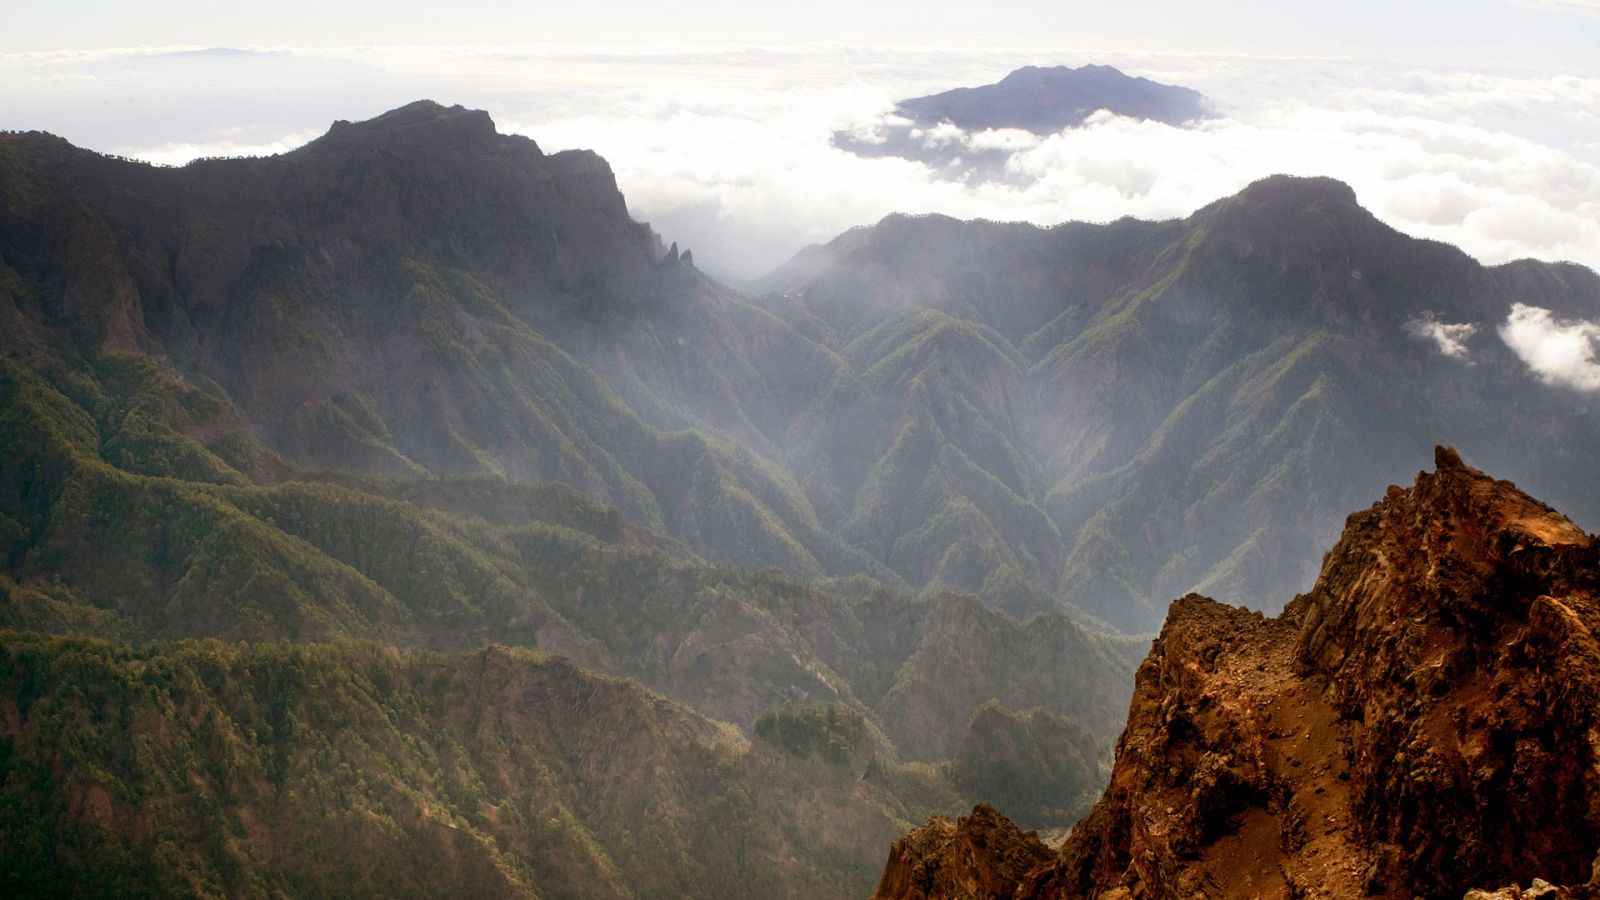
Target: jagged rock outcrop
pixel 1453 623
pixel 981 856
pixel 1422 723
pixel 1539 890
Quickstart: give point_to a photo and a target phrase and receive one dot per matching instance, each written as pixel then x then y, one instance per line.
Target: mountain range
pixel 362 493
pixel 1085 418
pixel 1186 405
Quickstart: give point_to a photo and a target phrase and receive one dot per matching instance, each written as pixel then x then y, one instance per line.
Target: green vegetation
pixel 828 732
pixel 234 768
pixel 202 768
pixel 1044 770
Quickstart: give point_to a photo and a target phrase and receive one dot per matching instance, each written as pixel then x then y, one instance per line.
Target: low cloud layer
pixel 1559 352
pixel 176 154
pixel 1498 165
pixel 728 149
pixel 1450 339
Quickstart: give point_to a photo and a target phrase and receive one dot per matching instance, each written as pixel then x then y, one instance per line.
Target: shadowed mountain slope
pixel 375 300
pixel 200 768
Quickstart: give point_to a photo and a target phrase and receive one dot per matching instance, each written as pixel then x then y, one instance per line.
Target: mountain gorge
pixel 402 492
pixel 1420 724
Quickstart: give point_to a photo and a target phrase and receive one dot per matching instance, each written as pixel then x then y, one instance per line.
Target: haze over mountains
pixel 1186 403
pixel 424 385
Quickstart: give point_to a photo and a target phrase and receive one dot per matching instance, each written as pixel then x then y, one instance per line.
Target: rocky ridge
pixel 981 855
pixel 1422 723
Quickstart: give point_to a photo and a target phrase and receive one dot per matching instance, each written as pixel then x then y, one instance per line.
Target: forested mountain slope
pixel 201 768
pixel 343 411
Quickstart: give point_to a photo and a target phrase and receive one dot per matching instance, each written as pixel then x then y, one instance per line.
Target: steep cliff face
pixel 1453 624
pixel 1422 723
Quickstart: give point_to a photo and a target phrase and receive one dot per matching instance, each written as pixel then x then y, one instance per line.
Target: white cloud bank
pixel 1559 353
pixel 179 153
pixel 1502 165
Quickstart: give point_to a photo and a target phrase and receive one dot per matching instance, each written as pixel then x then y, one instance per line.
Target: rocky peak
pixel 1297 191
pixel 1423 722
pixel 1452 625
pixel 421 122
pixel 1281 212
pixel 982 855
pixel 1449 554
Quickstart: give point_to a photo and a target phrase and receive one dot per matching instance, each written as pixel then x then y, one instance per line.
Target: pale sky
pixel 1475 122
pixel 1538 33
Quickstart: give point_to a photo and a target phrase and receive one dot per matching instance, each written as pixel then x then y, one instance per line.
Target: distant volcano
pixel 938 129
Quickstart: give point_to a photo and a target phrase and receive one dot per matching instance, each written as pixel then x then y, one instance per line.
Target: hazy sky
pixel 1531 32
pixel 1471 121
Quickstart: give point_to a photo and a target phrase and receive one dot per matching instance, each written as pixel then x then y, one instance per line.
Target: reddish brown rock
pixel 1539 890
pixel 1421 723
pixel 981 856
